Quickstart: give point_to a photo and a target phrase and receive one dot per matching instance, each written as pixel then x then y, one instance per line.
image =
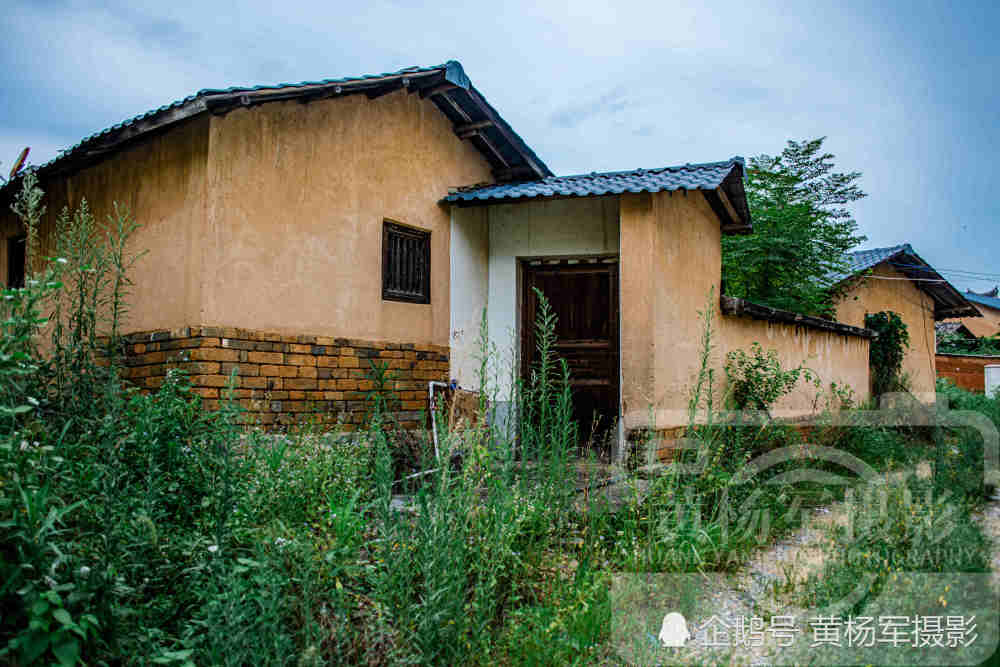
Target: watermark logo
pixel 674 630
pixel 910 588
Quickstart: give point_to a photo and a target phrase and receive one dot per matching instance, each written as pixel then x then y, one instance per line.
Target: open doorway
pixel 583 293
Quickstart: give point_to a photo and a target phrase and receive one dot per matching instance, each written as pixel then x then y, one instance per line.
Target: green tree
pixel 802 230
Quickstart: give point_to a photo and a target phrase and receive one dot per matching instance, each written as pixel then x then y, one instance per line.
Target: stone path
pixel 764 585
pixel 989 520
pixel 762 588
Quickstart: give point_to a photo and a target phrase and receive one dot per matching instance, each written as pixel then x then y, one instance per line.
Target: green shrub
pixel 757 379
pixel 959 450
pixel 886 352
pixel 141 529
pixel 895 527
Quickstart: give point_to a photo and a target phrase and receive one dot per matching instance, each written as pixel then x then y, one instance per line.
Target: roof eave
pixel 446 85
pixel 955 306
pixel 948 301
pixel 726 197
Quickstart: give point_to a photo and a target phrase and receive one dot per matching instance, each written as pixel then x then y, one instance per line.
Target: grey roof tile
pixel 706 176
pixel 862 260
pixel 205 92
pixel 950 327
pixel 949 302
pixel 517 152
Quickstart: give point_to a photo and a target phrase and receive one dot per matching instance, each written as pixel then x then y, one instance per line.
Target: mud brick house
pixel 954 328
pixel 969 370
pixel 897 279
pixel 295 232
pixel 988 304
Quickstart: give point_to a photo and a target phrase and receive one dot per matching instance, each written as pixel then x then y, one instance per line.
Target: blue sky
pixel 904 91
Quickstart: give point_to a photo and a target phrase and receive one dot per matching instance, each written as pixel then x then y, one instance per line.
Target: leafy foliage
pixel 886 353
pixel 801 230
pixel 956 344
pixel 958 465
pixel 141 529
pixel 757 380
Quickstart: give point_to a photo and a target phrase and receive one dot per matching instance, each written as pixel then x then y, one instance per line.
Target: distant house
pixel 297 233
pixel 955 330
pixel 898 279
pixel 988 303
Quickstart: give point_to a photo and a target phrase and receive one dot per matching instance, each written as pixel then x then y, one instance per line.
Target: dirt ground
pixel 763 586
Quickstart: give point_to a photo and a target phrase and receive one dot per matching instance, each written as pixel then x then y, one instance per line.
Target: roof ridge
pixel 652 170
pixel 895 248
pixel 221 100
pixel 411 69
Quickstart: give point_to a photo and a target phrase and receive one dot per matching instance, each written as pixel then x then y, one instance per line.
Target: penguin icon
pixel 674 630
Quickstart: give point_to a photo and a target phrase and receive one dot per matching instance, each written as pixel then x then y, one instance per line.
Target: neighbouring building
pixel 967 366
pixel 897 279
pixel 296 232
pixel 988 304
pixel 954 329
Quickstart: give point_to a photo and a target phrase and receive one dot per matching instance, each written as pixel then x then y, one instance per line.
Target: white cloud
pixel 901 92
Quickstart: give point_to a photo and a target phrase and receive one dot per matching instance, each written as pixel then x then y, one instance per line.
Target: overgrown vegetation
pixel 802 230
pixel 757 380
pixel 886 352
pixel 952 343
pixel 141 529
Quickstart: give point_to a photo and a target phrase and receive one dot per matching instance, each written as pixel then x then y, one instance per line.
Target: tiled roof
pixel 706 176
pixel 953 327
pixel 950 327
pixel 862 260
pixel 989 301
pixel 948 301
pixel 206 92
pixel 446 85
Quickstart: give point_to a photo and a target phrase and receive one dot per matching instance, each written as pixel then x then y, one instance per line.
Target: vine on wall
pixel 885 356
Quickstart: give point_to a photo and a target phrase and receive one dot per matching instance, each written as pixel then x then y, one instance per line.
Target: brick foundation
pixel 282 380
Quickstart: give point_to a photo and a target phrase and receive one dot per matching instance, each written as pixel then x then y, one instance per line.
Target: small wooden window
pixel 15 261
pixel 406 264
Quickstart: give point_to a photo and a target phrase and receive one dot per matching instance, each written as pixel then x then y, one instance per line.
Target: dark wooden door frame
pixel 569 264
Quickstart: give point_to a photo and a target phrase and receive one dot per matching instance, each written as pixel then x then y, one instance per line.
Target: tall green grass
pixel 141 529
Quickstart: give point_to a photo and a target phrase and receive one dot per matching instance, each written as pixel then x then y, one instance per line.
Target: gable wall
pixel 297 197
pixel 890 290
pixel 987 325
pixel 161 181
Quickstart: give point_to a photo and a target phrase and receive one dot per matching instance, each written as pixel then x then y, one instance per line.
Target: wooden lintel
pixel 437 90
pixel 467 128
pixel 505 131
pixel 728 205
pixel 514 173
pixel 736 229
pixel 493 149
pixel 376 93
pixel 458 110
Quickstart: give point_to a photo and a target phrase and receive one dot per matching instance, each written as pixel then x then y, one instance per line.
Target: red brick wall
pixel 288 379
pixel 965 371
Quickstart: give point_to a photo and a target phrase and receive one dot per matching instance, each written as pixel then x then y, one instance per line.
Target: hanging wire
pixel 962 272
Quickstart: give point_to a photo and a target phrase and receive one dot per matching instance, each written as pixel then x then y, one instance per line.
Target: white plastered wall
pixel 551 228
pixel 470 242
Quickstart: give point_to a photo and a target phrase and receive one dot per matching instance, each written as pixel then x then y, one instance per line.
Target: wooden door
pixel 584 296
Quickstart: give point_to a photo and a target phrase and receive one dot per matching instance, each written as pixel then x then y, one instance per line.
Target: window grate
pixel 406 264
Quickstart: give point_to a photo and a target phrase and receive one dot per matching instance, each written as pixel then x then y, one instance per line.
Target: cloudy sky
pixel 904 91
